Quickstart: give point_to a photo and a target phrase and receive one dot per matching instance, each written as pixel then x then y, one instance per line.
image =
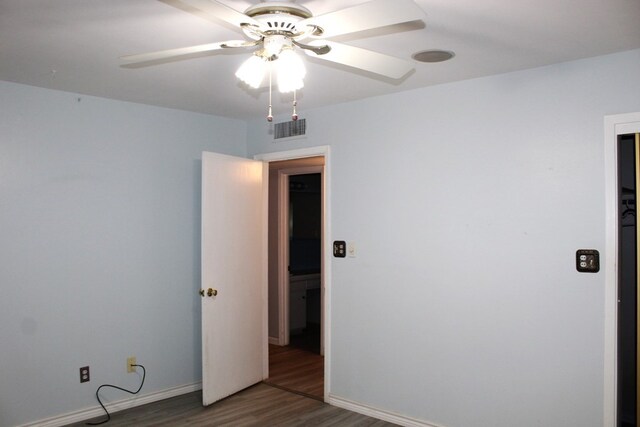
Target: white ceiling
pixel 74 45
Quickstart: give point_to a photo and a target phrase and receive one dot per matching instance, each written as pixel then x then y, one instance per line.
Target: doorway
pixel 305 238
pixel 615 126
pixel 296 275
pixel 629 275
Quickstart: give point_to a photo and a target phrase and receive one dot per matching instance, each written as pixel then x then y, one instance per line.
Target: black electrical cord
pixel 144 374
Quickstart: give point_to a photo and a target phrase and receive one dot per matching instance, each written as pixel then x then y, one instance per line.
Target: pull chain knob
pixel 270 113
pixel 294 115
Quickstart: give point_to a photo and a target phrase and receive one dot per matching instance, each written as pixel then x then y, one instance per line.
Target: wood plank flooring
pixel 297 370
pixel 260 405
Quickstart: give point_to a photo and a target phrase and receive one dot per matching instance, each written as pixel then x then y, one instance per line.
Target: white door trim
pixel 283 258
pixel 326 244
pixel 614 125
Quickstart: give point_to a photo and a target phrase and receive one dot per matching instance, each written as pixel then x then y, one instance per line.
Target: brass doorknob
pixel 212 292
pixel 201 292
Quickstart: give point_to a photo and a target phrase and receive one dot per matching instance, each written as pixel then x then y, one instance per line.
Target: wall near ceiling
pixel 467 202
pixel 99 246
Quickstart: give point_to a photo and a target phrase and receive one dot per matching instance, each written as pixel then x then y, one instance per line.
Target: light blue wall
pixel 99 246
pixel 467 202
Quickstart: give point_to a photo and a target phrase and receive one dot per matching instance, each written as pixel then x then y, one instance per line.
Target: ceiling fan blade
pixel 216 10
pixel 174 54
pixel 363 59
pixel 318 50
pixel 365 16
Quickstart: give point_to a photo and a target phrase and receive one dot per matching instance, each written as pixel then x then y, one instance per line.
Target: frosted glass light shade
pixel 291 71
pixel 252 71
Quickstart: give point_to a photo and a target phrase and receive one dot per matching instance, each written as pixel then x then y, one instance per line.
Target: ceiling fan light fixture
pixel 274 44
pixel 276 28
pixel 288 86
pixel 252 71
pixel 291 71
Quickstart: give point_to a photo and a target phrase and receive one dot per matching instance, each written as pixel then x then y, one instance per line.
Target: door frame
pixel 614 125
pixel 324 151
pixel 283 250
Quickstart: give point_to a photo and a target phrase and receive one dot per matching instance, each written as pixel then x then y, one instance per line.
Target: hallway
pixel 296 370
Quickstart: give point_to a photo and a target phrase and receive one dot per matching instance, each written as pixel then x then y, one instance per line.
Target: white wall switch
pixel 351 249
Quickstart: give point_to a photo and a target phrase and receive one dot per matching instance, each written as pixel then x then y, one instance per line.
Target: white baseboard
pixel 378 413
pixel 85 414
pixel 274 340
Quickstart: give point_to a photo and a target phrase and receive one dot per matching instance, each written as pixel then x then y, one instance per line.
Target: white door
pixel 234 341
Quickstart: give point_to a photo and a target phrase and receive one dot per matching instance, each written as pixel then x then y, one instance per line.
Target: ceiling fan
pixel 274 30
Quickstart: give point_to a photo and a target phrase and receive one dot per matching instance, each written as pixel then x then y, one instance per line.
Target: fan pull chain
pixel 294 115
pixel 270 113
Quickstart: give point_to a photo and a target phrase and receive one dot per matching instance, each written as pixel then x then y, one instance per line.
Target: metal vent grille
pixel 284 25
pixel 288 129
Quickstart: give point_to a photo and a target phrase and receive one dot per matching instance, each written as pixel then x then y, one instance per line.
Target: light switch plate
pixel 351 249
pixel 339 249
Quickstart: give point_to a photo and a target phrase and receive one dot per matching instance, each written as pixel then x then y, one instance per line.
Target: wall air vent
pixel 289 129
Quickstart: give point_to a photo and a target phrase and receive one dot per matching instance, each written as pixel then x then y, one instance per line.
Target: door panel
pixel 234 343
pixel 629 269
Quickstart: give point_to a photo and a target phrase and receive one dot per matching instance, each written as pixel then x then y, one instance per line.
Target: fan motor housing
pixel 278 16
pixel 271 8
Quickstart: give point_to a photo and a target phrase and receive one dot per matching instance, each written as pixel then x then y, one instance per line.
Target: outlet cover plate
pixel 84 374
pixel 587 260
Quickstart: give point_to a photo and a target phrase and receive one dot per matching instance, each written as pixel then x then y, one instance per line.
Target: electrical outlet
pixel 339 249
pixel 587 260
pixel 84 374
pixel 130 362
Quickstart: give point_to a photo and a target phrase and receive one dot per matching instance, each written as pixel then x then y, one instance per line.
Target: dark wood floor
pixel 260 405
pixel 297 370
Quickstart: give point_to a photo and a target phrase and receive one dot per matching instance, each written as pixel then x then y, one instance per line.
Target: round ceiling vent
pixel 433 55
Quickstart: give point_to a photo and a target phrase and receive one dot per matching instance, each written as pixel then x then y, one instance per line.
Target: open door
pixel 234 274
